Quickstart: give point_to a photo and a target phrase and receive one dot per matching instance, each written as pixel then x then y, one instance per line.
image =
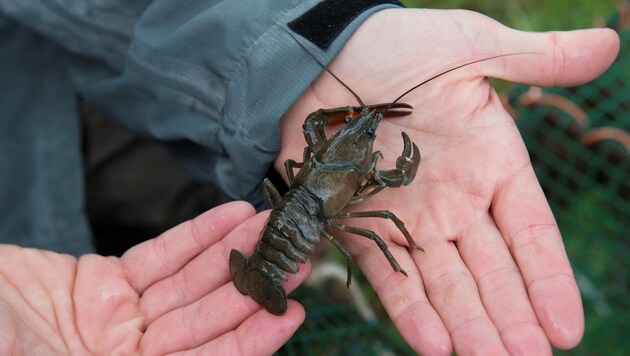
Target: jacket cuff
pixel 326 20
pixel 254 104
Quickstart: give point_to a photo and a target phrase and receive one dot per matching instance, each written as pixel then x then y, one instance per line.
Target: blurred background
pixel 579 142
pixel 533 15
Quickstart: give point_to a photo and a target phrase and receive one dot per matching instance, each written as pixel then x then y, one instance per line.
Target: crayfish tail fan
pixel 238 270
pixel 260 286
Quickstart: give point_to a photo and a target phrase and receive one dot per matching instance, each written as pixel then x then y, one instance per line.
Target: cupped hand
pixel 494 277
pixel 172 294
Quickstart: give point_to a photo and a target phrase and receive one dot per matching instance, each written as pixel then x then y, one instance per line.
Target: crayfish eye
pixel 370 132
pixel 347 119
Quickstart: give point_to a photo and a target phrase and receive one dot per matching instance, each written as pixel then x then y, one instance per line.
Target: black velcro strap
pixel 325 21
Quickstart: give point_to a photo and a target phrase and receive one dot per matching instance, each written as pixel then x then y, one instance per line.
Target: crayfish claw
pixel 406 145
pixel 409 161
pixel 406 167
pixel 392 110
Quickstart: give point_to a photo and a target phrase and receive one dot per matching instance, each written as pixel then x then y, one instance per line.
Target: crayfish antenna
pixel 452 69
pixel 356 96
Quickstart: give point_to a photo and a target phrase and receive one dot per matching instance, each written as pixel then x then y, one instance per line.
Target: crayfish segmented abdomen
pixel 290 236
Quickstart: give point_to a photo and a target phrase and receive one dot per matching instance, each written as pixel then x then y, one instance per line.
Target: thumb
pixel 557 58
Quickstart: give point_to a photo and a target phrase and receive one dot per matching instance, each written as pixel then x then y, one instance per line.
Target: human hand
pixel 494 277
pixel 171 294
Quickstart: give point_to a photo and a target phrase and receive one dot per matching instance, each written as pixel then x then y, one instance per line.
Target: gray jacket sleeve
pixel 208 79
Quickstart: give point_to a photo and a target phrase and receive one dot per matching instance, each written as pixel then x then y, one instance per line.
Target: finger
pixel 501 288
pixel 261 334
pixel 195 324
pixel 205 273
pixel 453 293
pixel 561 59
pixel 525 220
pixel 404 298
pixel 159 258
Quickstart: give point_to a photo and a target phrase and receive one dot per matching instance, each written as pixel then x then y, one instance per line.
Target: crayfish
pixel 335 172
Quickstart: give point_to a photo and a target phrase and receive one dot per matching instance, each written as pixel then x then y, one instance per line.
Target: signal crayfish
pixel 335 172
pixel 316 198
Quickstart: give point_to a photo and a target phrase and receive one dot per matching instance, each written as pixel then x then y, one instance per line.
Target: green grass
pixel 531 15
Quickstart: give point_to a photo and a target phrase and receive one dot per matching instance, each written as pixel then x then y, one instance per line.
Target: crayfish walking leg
pixel 385 214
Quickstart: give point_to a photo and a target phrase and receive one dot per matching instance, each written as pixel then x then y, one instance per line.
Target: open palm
pixel 494 276
pixel 172 294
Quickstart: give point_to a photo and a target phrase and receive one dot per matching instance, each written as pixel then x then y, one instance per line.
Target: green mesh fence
pixel 335 327
pixel 579 142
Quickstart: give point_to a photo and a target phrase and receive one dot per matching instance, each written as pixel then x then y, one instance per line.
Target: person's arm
pixel 209 79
